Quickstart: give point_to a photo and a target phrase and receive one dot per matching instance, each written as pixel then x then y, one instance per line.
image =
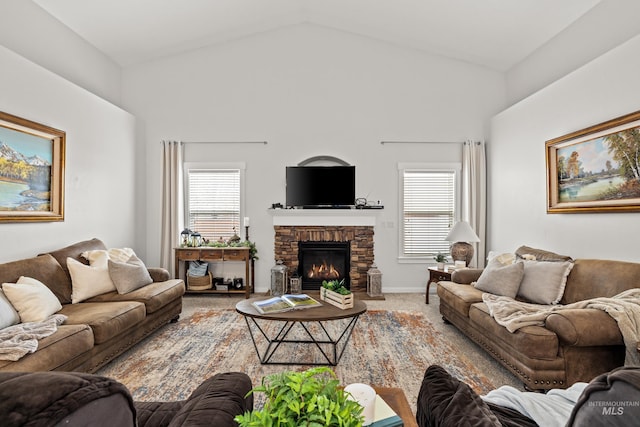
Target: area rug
pixel 387 348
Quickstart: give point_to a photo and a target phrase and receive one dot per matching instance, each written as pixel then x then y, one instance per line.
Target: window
pixel 213 201
pixel 428 208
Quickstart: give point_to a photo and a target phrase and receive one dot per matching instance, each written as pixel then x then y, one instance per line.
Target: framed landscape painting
pixel 595 169
pixel 31 171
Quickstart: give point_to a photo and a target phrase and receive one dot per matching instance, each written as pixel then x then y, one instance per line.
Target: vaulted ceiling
pixel 497 34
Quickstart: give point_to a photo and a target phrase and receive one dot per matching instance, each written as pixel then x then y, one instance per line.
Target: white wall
pixel 309 91
pixel 34 34
pixel 604 89
pixel 100 160
pixel 607 25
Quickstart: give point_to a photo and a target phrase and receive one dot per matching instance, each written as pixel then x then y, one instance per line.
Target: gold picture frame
pixel 31 171
pixel 596 169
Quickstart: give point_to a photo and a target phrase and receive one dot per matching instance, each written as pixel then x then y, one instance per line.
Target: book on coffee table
pixel 285 303
pixel 384 416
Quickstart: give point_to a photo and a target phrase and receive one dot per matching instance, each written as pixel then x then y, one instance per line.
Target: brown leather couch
pixel 77 399
pixel 574 345
pixel 98 329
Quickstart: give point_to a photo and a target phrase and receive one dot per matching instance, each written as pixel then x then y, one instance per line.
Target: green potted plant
pixel 308 398
pixel 440 259
pixel 336 286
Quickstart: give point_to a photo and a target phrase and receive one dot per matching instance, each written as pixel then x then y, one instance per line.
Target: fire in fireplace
pixel 318 261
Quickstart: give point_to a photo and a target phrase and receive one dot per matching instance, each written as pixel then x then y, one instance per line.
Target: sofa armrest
pixel 466 275
pixel 159 274
pixel 217 401
pixel 583 327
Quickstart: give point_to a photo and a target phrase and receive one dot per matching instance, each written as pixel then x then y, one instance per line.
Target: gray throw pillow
pixel 544 281
pixel 501 279
pixel 129 276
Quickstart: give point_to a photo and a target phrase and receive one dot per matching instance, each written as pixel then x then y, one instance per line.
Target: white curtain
pixel 172 202
pixel 474 195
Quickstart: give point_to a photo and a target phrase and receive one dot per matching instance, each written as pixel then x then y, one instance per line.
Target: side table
pixel 435 276
pixel 396 398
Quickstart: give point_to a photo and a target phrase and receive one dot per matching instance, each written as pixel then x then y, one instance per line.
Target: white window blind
pixel 213 202
pixel 428 211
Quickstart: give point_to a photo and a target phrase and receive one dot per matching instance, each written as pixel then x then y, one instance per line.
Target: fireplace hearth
pixel 319 261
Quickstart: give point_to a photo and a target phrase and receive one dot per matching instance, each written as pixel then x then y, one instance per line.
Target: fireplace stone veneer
pixel 360 238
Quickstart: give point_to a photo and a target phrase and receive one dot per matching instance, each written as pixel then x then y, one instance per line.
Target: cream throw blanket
pixel 624 308
pixel 20 339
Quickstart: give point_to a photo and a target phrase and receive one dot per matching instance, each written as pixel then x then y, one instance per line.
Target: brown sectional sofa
pixel 573 345
pixel 96 330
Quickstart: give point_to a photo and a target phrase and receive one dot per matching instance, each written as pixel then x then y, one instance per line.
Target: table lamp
pixel 460 236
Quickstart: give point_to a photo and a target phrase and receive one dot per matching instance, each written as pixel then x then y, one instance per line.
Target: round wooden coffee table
pixel 319 336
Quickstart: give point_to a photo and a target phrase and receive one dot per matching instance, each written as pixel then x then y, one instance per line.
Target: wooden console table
pixel 215 254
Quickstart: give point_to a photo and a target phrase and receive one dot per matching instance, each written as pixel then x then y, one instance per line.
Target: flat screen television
pixel 321 186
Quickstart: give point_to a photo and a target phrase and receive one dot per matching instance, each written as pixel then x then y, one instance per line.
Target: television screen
pixel 320 186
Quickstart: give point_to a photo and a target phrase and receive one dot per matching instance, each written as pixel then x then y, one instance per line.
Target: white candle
pixel 246 221
pixel 365 395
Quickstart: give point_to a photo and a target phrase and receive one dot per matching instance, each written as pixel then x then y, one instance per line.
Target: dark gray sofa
pixel 39 399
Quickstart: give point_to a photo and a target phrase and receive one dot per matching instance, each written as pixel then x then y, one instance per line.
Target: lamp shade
pixel 462 232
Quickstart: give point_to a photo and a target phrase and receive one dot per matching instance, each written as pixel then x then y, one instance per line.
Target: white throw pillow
pixel 32 299
pixel 8 315
pixel 87 281
pixel 501 279
pixel 129 276
pixel 544 281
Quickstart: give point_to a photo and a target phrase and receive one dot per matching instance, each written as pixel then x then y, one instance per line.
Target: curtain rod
pixel 421 142
pixel 224 142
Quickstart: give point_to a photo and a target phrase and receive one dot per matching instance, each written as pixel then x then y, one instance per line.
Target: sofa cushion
pixel 64 399
pixel 44 268
pixel 75 251
pixel 33 301
pixel 592 278
pixel 544 281
pixel 216 401
pixel 459 296
pixel 107 320
pixel 129 275
pixel 89 280
pixel 54 351
pixel 446 401
pixel 535 342
pixel 154 295
pixel 501 279
pixel 8 314
pixel 610 399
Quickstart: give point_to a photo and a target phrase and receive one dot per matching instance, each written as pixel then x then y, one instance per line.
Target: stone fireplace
pixel 295 229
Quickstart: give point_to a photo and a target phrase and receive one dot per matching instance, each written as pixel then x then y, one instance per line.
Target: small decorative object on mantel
pixel 374 281
pixel 335 293
pixel 279 273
